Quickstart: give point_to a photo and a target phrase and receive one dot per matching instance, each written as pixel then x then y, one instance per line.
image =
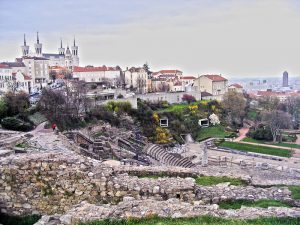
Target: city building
pixel 102 74
pixel 285 79
pixel 282 96
pixel 167 74
pixel 137 78
pixel 5 78
pixel 37 68
pixel 65 58
pixel 213 84
pixel 236 88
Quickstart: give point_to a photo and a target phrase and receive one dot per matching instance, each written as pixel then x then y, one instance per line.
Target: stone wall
pixel 53 182
pixel 131 208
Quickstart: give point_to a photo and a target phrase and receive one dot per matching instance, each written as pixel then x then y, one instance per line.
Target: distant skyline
pixel 236 38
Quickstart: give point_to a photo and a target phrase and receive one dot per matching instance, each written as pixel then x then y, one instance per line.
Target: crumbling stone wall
pixel 53 182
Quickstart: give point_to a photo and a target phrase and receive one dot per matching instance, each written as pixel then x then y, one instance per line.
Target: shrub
pixel 12 123
pixel 262 132
pixel 188 98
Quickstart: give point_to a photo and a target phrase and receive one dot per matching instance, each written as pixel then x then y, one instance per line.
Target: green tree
pixel 3 109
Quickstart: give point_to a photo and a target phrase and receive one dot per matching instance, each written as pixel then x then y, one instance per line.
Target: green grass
pixel 283 144
pixel 180 107
pixel 215 131
pixel 257 149
pixel 251 140
pixel 16 220
pixel 263 203
pixel 211 180
pixel 295 191
pixel 22 145
pixel 203 220
pixel 290 145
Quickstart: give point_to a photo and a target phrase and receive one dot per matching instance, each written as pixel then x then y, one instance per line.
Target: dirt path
pixel 298 139
pixel 242 134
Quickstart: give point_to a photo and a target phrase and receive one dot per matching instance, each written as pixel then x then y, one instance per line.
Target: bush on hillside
pixel 12 123
pixel 262 132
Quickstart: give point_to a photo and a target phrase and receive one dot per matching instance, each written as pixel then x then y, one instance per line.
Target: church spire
pixel 37 38
pixel 61 42
pixel 24 40
pixel 74 42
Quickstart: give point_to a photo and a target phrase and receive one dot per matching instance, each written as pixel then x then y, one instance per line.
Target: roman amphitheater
pixel 107 172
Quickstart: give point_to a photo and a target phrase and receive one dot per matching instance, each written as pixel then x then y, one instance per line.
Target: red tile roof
pixel 236 85
pixel 170 71
pixel 188 78
pixel 215 77
pixel 4 66
pixel 93 69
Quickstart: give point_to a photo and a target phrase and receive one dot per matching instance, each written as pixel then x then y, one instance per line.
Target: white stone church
pixel 64 58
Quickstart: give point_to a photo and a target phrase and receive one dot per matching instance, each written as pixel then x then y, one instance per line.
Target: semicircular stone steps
pixel 158 153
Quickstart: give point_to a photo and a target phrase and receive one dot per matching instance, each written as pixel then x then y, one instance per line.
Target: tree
pixel 276 120
pixel 188 98
pixel 3 109
pixel 140 85
pixel 234 107
pixel 16 103
pixel 214 119
pixel 52 74
pixel 269 103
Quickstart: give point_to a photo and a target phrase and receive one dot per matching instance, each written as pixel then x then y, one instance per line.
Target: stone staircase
pixel 165 158
pixel 102 149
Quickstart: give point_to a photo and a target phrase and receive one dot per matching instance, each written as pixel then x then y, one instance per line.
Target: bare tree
pixel 234 106
pixel 140 85
pixel 276 120
pixel 269 103
pixel 163 87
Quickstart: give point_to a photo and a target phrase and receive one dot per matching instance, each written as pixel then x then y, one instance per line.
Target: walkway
pixel 298 139
pixel 242 134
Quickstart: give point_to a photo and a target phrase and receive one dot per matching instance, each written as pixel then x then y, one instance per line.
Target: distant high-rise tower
pixel 285 79
pixel 25 48
pixel 38 46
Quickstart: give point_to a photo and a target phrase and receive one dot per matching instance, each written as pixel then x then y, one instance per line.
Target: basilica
pixel 67 58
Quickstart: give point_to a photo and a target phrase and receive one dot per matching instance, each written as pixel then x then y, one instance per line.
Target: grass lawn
pixel 211 180
pixel 180 107
pixel 215 131
pixel 283 144
pixel 290 145
pixel 203 220
pixel 295 191
pixel 256 149
pixel 263 203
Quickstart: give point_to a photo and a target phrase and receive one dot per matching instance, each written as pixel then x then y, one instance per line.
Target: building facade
pixel 68 58
pixel 102 74
pixel 213 84
pixel 285 79
pixel 137 78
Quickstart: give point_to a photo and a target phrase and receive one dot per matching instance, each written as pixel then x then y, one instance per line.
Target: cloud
pixel 229 37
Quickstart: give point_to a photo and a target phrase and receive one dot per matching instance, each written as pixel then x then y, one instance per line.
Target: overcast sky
pixel 232 37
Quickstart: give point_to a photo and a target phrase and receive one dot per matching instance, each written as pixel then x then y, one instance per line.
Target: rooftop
pixel 215 77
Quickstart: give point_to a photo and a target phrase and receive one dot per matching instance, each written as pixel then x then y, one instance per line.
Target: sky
pixel 235 38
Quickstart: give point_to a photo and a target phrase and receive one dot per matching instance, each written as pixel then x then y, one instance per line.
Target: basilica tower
pixel 25 48
pixel 38 46
pixel 75 57
pixel 61 50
